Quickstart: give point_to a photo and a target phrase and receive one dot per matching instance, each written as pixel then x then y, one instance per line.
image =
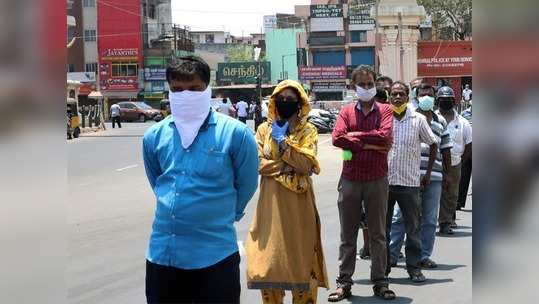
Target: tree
pixel 451 18
pixel 239 53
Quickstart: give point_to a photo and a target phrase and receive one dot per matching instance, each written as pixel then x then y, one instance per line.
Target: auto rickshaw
pixel 73 120
pixel 164 106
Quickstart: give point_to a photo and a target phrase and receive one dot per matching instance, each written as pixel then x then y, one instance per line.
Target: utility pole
pixel 174 29
pixel 376 40
pixel 401 49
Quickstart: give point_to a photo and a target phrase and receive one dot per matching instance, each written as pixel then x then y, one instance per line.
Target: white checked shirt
pixel 405 155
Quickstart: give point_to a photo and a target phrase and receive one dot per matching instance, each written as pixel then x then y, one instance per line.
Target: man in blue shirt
pixel 203 169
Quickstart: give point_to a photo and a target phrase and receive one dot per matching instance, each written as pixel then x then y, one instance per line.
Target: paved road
pixel 111 210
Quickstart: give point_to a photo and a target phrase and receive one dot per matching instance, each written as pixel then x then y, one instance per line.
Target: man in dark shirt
pixel 364 131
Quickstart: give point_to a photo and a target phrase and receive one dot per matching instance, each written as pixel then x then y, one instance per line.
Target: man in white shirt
pixel 225 107
pixel 242 108
pixel 461 134
pixel 467 93
pixel 115 115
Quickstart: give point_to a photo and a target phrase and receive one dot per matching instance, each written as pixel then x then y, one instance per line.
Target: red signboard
pixel 119 44
pixel 444 59
pixel 322 72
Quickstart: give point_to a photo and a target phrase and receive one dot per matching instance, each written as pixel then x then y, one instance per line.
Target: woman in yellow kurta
pixel 283 246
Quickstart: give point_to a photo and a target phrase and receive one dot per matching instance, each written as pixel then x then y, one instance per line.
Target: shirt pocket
pixel 211 163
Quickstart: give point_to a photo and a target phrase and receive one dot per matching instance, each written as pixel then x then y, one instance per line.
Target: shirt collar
pixel 374 106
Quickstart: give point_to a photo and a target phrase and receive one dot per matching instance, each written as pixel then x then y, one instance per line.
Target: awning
pixel 95 94
pixel 120 94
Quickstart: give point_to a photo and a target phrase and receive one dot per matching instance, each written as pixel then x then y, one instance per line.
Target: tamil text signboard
pixel 242 72
pixel 322 72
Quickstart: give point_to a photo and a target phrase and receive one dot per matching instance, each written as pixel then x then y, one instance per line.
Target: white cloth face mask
pixel 189 111
pixel 365 95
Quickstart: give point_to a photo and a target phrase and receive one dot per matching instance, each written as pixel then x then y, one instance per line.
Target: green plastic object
pixel 347 155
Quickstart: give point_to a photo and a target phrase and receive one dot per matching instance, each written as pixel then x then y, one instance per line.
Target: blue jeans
pixel 409 201
pixel 430 205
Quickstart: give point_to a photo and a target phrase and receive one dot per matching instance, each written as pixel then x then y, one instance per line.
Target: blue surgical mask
pixel 426 103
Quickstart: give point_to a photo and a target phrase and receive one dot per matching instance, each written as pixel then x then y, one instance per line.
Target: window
pixel 70 67
pixel 91 67
pixel 88 3
pixel 358 36
pixel 362 56
pixel 125 69
pixel 210 38
pixel 144 10
pixel 151 11
pixel 70 33
pixel 89 35
pixel 329 58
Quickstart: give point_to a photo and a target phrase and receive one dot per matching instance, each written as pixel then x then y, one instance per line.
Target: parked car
pixel 137 111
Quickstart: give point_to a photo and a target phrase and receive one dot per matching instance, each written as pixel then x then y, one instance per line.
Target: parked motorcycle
pixel 323 120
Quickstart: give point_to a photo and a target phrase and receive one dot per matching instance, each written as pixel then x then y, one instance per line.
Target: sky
pixel 235 16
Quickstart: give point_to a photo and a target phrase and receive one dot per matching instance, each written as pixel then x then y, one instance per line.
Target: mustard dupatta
pixel 303 139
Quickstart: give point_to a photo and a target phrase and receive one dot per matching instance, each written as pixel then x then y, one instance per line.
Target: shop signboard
pixel 322 72
pixel 326 11
pixel 243 72
pixel 120 55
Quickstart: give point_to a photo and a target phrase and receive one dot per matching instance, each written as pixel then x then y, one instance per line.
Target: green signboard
pixel 326 11
pixel 360 13
pixel 243 72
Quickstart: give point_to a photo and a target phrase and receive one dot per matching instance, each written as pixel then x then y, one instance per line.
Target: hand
pixel 279 133
pixel 383 149
pixel 287 168
pixel 425 181
pixel 353 134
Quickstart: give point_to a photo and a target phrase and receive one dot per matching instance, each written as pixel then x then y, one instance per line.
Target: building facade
pixel 119 45
pixel 339 35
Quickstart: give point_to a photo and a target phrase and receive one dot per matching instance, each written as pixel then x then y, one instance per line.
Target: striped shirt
pixel 444 142
pixel 354 129
pixel 405 155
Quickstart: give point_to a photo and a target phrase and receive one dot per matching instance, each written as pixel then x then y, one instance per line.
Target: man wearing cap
pixel 461 135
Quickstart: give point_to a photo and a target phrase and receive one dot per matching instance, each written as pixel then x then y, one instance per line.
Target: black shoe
pixel 428 264
pixel 446 230
pixel 392 263
pixel 417 276
pixel 401 256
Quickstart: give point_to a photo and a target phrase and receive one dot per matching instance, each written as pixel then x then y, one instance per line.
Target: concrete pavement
pixel 111 210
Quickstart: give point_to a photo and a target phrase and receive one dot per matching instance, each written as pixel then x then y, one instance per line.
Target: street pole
pixel 282 67
pixel 376 40
pixel 401 49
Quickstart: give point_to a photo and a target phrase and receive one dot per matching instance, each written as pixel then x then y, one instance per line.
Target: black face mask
pixel 286 107
pixel 445 104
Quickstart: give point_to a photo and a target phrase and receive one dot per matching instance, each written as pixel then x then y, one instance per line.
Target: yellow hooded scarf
pixel 302 138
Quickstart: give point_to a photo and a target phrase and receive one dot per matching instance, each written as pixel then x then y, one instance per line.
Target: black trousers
pixel 242 119
pixel 116 120
pixel 410 204
pixel 465 177
pixel 219 283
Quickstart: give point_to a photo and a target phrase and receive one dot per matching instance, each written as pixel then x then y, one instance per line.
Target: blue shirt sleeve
pixel 245 161
pixel 151 162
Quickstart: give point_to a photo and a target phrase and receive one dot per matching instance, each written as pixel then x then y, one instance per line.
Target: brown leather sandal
pixel 339 295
